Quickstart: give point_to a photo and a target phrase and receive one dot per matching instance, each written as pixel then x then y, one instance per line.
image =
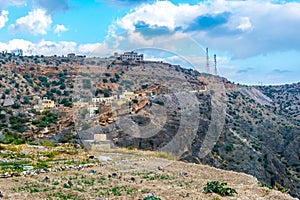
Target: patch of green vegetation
pixel 152 198
pixel 41 164
pixel 51 154
pixel 263 184
pixel 101 180
pixel 89 183
pixel 47 143
pixel 159 102
pixel 281 188
pixel 63 196
pixel 45 119
pixel 12 138
pixel 13 166
pixel 116 191
pixel 144 191
pixel 66 185
pixel 219 188
pixel 157 177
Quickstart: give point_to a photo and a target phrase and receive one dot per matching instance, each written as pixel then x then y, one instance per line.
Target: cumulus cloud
pixel 95 49
pixel 59 28
pixel 156 15
pixel 51 6
pixel 3 18
pixel 45 47
pixel 241 28
pixel 36 22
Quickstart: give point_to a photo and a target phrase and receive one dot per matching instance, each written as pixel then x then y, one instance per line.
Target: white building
pixel 103 100
pixel 93 110
pixel 132 56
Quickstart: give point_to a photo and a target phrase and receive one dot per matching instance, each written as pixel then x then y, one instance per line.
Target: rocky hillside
pixel 24 83
pixel 154 106
pixel 248 136
pixel 285 98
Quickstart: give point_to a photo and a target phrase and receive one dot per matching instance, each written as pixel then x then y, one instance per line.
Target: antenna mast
pixel 207 61
pixel 215 62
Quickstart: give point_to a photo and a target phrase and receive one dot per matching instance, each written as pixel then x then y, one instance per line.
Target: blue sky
pixel 255 41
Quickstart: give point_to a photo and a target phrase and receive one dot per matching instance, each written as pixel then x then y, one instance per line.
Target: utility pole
pixel 215 62
pixel 207 61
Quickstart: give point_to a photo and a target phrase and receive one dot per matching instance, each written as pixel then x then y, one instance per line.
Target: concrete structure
pixel 48 104
pixel 103 100
pixel 100 137
pixel 71 55
pixel 133 56
pixel 100 142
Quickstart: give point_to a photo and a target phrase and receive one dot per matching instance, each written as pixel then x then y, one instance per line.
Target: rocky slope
pixel 118 174
pixel 197 117
pixel 253 138
pixel 285 98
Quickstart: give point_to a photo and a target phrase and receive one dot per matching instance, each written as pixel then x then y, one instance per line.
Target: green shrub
pixel 159 102
pixel 263 184
pixel 47 143
pixel 219 188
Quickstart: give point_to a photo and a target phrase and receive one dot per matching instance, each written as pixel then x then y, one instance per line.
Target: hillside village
pixel 80 100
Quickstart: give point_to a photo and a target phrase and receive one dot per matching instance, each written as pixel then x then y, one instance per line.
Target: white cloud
pixel 36 22
pixel 44 47
pixel 241 28
pixel 95 49
pixel 59 28
pixel 156 15
pixel 3 18
pixel 53 48
pixel 15 44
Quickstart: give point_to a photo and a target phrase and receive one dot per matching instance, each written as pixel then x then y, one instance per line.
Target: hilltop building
pixel 71 55
pixel 130 56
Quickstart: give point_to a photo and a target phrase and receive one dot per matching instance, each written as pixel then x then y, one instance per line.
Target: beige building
pixel 44 104
pixel 48 104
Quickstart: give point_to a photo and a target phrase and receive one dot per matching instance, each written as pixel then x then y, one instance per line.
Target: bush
pixel 219 188
pixel 159 102
pixel 45 120
pixel 47 143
